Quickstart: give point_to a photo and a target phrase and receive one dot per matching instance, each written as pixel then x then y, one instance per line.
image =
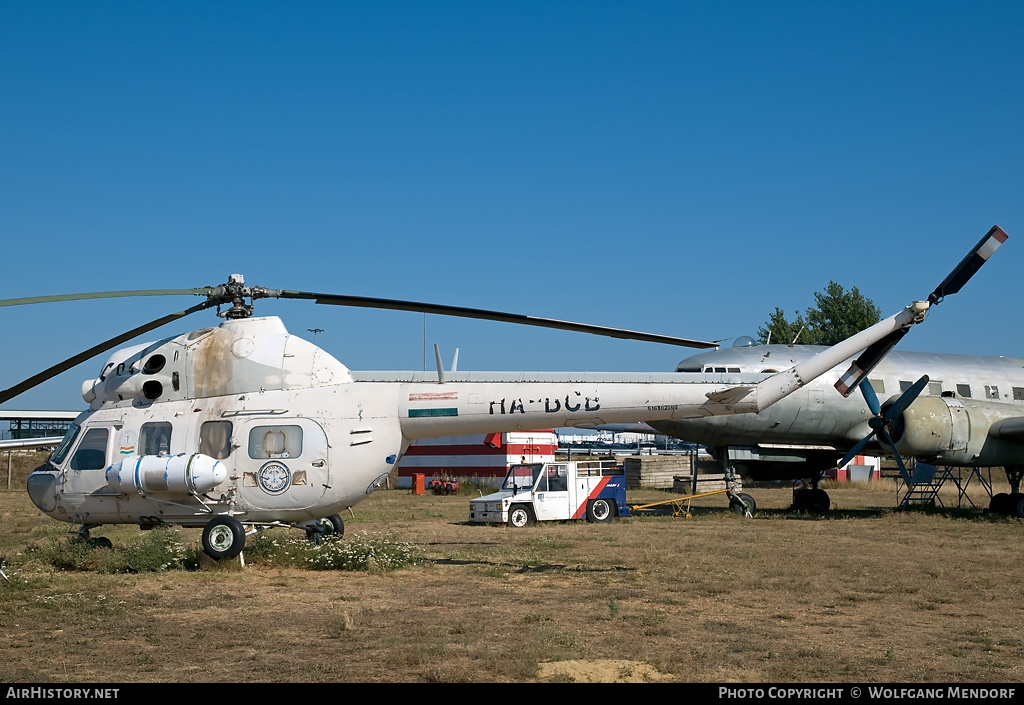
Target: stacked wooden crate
pixel 674 472
pixel 655 471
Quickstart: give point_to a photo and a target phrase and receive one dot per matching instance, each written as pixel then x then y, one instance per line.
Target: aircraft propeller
pixel 239 299
pixel 884 423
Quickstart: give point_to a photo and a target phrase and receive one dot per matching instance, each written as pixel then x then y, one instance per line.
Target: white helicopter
pixel 244 427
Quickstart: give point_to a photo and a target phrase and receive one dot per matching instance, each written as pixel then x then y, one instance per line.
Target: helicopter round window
pixel 274 477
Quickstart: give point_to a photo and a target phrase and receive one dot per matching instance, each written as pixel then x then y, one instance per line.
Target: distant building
pixel 482 458
pixel 37 424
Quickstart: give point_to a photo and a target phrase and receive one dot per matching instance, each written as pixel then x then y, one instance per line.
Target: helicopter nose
pixel 42 490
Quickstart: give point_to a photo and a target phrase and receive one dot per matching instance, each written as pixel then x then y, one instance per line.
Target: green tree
pixel 838 315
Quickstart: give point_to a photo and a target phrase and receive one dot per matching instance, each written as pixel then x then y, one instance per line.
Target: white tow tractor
pixel 594 489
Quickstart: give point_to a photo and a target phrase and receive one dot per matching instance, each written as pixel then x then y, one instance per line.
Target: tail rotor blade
pixel 970 264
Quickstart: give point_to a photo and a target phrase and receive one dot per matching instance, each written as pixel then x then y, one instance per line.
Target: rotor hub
pixel 239 296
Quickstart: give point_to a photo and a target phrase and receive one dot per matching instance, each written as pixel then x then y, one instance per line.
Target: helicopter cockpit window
pixel 215 439
pixel 155 438
pixel 275 442
pixel 65 445
pixel 92 451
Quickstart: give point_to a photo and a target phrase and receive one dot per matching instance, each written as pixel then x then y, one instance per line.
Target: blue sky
pixel 676 167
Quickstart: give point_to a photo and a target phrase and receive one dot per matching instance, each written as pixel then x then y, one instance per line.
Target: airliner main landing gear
pixel 1011 503
pixel 810 499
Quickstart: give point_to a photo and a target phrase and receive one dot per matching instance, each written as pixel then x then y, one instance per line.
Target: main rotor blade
pixel 970 264
pixel 906 399
pixel 38 379
pixel 205 291
pixel 463 312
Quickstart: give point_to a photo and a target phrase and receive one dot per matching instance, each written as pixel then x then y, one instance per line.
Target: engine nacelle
pixel 151 474
pixel 926 429
pixel 949 430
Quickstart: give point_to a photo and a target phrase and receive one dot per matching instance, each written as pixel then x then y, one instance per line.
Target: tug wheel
pixel 519 516
pixel 600 511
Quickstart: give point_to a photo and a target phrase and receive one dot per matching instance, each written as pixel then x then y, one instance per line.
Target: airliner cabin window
pixel 1018 393
pixel 935 389
pixel 878 385
pixel 991 392
pixel 155 438
pixel 92 451
pixel 963 390
pixel 215 439
pixel 275 442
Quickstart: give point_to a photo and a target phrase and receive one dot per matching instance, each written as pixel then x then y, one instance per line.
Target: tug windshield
pixel 522 477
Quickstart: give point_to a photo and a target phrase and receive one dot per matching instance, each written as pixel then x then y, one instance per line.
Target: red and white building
pixel 482 458
pixel 861 468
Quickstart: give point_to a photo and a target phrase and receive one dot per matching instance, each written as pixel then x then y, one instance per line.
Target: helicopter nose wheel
pixel 329 526
pixel 223 537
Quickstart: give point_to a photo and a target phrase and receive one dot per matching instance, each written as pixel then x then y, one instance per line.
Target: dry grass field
pixel 860 594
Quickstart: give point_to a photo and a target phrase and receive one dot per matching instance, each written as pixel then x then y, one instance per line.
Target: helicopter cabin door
pixel 284 463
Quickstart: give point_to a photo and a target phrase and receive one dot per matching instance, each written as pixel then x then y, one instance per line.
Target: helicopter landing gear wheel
pixel 600 511
pixel 223 537
pixel 328 526
pixel 337 525
pixel 743 504
pixel 519 516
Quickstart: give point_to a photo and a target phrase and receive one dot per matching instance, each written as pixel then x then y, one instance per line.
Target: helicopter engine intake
pixel 168 474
